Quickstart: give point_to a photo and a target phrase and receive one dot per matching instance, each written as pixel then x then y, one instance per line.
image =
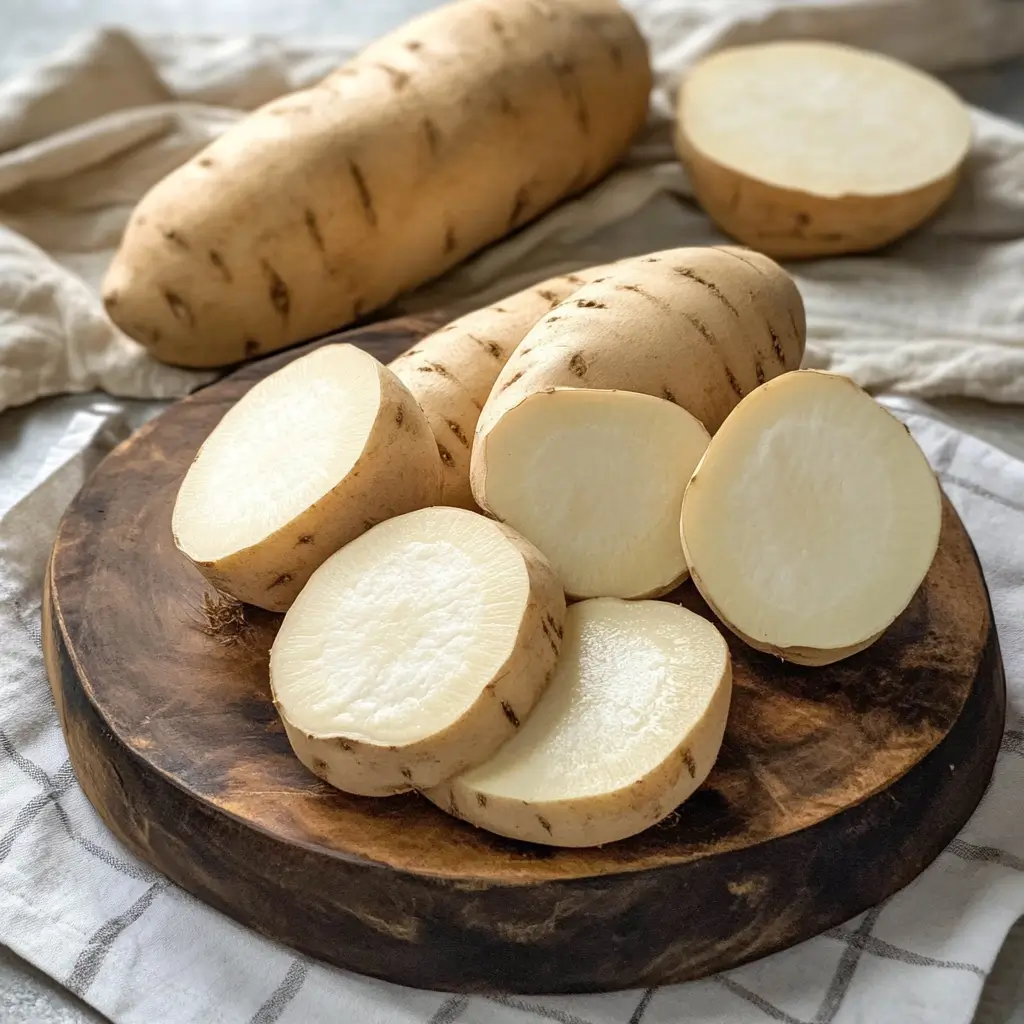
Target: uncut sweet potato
pixel 436 140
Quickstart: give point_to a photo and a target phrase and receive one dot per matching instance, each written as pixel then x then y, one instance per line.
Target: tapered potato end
pixel 812 519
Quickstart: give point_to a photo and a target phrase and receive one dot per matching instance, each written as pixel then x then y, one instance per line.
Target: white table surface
pixel 30 29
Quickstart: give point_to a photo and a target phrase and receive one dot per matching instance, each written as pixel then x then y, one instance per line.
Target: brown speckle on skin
pixel 650 259
pixel 668 394
pixel 414 46
pixel 734 383
pixel 544 824
pixel 481 799
pixel 590 304
pixel 432 135
pixel 498 28
pixel 306 538
pixel 713 288
pixel 578 365
pixel 512 380
pixel 359 307
pixel 345 745
pixel 313 227
pixel 742 259
pixel 221 267
pixel 615 52
pixel 582 116
pixel 802 219
pixel 453 807
pixel 510 713
pixel 506 106
pixel 638 290
pixel 547 293
pixel 552 643
pixel 365 199
pixel 280 297
pixel 776 345
pixel 519 204
pixel 180 308
pixel 176 238
pixel 407 774
pixel 552 319
pixel 399 79
pixel 399 415
pixel 450 241
pixel 499 309
pixel 111 299
pixel 319 766
pixel 759 372
pixel 205 162
pixel 285 577
pixel 691 765
pixel 557 629
pixel 446 456
pixel 792 323
pixel 252 346
pixel 369 524
pixel 438 369
pixel 458 432
pixel 491 347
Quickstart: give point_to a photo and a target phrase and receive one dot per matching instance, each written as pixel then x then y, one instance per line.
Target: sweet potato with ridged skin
pixel 698 327
pixel 451 372
pixel 438 139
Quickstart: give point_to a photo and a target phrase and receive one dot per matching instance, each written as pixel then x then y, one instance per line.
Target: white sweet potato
pixel 459 127
pixel 811 520
pixel 416 651
pixel 804 149
pixel 451 372
pixel 630 726
pixel 307 460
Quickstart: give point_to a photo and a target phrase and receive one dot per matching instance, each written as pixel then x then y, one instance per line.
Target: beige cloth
pixel 83 136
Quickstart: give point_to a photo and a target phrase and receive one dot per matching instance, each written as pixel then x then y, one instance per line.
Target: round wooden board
pixel 835 786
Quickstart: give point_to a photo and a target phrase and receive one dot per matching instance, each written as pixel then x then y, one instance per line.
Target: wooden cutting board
pixel 835 786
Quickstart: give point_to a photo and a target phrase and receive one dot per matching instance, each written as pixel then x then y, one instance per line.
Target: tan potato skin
pixel 399 471
pixel 369 769
pixel 462 125
pixel 699 327
pixel 790 224
pixel 609 817
pixel 451 372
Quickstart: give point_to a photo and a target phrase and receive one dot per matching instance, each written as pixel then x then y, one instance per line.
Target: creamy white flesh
pixel 813 517
pixel 824 119
pixel 396 635
pixel 283 446
pixel 630 726
pixel 595 479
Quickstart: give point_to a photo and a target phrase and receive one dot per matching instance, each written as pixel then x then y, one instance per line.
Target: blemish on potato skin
pixel 481 799
pixel 590 304
pixel 365 198
pixel 692 275
pixel 407 774
pixel 319 766
pixel 498 28
pixel 280 297
pixel 512 380
pixel 252 346
pixel 359 307
pixel 284 578
pixel 742 259
pixel 458 432
pixel 450 241
pixel 345 745
pixel 519 204
pixel 314 229
pixel 180 308
pixel 544 824
pixel 506 106
pixel 369 524
pixel 557 629
pixel 578 365
pixel 218 262
pixel 776 345
pixel 399 415
pixel 668 394
pixel 446 456
pixel 638 290
pixel 306 538
pixel 111 299
pixel 615 52
pixel 205 162
pixel 548 294
pixel 759 372
pixel 734 383
pixel 510 713
pixel 432 135
pixel 491 347
pixel 176 238
pixel 399 79
pixel 438 369
pixel 550 637
pixel 453 807
pixel 691 765
pixel 414 46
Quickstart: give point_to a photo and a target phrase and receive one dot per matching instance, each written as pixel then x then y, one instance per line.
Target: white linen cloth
pixel 941 313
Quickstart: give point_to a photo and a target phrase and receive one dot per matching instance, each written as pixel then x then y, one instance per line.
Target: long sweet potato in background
pixel 457 128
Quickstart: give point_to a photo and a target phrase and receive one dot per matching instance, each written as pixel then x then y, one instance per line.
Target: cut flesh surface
pixel 392 666
pixel 824 119
pixel 285 445
pixel 629 727
pixel 595 479
pixel 812 519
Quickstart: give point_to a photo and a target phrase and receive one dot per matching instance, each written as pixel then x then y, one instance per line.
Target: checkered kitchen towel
pixel 140 950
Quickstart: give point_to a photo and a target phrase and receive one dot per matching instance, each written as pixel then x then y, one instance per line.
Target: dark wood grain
pixel 835 787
